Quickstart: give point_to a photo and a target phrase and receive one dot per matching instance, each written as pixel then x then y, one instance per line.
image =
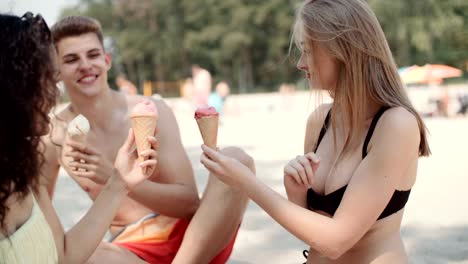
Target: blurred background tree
pixel 247 42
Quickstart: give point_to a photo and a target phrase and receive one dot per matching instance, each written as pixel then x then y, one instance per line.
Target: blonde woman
pixel 347 191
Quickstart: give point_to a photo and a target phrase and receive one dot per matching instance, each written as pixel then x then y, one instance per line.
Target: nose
pixel 302 63
pixel 84 64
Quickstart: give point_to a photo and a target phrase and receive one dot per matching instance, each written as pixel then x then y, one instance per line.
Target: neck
pixel 99 110
pixel 371 110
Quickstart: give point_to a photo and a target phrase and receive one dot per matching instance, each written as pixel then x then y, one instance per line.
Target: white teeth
pixel 88 79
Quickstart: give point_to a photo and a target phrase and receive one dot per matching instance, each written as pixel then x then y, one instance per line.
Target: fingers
pixel 148 166
pixel 291 172
pixel 305 163
pixel 301 171
pixel 148 163
pixel 78 156
pixel 149 154
pixel 84 166
pixel 211 153
pixel 314 159
pixel 153 142
pixel 77 146
pixel 127 146
pixel 85 174
pixel 209 164
pixel 303 168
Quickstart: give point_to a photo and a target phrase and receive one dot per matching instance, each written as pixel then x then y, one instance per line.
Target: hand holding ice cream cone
pixel 207 120
pixel 77 130
pixel 144 118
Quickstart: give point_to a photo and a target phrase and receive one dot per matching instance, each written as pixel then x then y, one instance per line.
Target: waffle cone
pixel 143 127
pixel 80 138
pixel 209 130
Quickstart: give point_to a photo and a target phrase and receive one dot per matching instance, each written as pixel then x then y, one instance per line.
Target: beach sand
pixel 271 129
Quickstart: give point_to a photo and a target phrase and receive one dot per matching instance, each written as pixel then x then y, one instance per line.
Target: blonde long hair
pixel 349 31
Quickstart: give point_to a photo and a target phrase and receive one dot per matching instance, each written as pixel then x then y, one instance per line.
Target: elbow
pixel 334 251
pixel 334 254
pixel 335 247
pixel 191 207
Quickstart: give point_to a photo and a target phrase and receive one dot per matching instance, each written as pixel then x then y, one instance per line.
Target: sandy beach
pixel 271 128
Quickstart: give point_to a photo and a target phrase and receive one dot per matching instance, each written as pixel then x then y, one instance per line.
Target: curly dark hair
pixel 28 92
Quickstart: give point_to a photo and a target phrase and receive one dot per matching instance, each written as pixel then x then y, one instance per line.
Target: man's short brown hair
pixel 73 26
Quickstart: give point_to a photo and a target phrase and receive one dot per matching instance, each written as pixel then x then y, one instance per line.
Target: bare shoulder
pixel 132 100
pixel 317 117
pixel 398 126
pixel 166 120
pixel 399 120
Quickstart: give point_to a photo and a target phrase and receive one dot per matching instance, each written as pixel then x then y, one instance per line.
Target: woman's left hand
pixel 227 169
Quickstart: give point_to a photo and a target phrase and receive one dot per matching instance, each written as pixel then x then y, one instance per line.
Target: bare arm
pixel 172 191
pixel 51 167
pixel 77 245
pixel 394 148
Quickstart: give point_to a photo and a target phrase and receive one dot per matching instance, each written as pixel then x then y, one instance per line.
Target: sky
pixel 49 9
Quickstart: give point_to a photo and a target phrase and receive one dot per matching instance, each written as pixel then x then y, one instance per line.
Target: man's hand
pixel 88 162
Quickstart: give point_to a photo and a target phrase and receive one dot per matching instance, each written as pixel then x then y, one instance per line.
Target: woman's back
pixel 32 241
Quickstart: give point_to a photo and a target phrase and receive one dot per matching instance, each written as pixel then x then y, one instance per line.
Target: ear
pixel 108 60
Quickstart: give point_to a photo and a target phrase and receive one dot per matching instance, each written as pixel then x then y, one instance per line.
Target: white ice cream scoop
pixel 78 126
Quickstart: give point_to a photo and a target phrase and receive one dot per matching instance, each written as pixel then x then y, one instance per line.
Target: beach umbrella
pixel 429 73
pixel 412 74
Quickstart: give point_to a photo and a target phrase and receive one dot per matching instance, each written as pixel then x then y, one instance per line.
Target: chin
pixel 88 90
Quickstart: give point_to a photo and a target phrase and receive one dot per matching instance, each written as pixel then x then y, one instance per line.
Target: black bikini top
pixel 329 203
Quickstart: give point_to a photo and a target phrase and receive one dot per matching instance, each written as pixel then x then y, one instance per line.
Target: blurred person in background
pixel 202 82
pixel 125 86
pixel 218 98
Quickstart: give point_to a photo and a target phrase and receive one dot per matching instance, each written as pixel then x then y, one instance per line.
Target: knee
pixel 240 155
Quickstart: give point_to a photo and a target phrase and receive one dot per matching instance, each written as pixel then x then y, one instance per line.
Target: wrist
pixel 246 181
pixel 117 183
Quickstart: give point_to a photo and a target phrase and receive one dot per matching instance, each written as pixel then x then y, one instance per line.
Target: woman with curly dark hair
pixel 30 231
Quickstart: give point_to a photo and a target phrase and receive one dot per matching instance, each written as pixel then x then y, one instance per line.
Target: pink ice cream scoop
pixel 207 120
pixel 144 117
pixel 205 111
pixel 143 108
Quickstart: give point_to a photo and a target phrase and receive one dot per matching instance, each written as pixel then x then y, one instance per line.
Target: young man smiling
pixel 163 219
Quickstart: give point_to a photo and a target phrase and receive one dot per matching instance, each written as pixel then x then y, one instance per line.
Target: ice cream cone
pixel 208 126
pixel 77 131
pixel 143 127
pixel 80 138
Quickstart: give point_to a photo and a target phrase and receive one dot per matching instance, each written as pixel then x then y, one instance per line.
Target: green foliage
pixel 247 42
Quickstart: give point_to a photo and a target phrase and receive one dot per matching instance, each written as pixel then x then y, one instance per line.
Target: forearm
pixel 295 195
pixel 318 231
pixel 82 240
pixel 174 200
pixel 297 198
